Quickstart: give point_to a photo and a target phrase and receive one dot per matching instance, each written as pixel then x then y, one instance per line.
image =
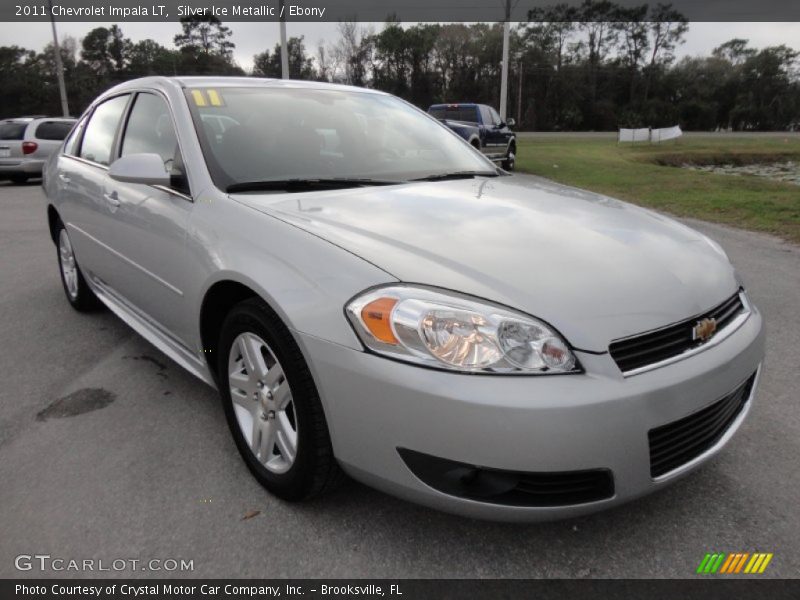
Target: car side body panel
pixel 305 279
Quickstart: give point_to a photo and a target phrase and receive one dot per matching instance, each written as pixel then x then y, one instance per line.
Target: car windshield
pixel 269 134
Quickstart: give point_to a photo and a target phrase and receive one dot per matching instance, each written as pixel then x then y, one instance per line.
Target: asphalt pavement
pixel 109 450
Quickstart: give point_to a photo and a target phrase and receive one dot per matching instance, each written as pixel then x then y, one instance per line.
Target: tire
pixel 267 390
pixel 78 293
pixel 511 158
pixel 19 179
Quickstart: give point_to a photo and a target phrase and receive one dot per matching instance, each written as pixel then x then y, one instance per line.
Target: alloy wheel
pixel 262 402
pixel 69 268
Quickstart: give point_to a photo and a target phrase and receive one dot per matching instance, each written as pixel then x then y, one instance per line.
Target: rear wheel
pixel 75 287
pixel 272 405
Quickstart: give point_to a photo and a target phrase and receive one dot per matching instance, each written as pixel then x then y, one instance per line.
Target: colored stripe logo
pixel 734 563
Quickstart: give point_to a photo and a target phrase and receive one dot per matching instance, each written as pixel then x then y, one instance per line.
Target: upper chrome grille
pixel 646 349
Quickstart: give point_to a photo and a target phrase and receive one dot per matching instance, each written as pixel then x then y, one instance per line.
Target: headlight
pixel 448 331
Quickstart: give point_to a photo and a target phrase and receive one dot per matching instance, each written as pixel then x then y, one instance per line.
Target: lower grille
pixel 677 443
pixel 654 346
pixel 511 488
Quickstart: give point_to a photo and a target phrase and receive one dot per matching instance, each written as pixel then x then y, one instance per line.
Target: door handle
pixel 64 178
pixel 112 199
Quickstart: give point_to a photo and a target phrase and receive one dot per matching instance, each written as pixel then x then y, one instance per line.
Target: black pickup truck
pixel 482 127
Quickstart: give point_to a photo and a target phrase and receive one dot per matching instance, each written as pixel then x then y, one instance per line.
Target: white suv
pixel 26 142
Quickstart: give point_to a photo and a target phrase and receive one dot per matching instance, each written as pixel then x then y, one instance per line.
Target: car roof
pixel 455 105
pixel 36 118
pixel 253 82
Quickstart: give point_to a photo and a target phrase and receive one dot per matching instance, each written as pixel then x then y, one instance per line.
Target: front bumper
pixel 553 423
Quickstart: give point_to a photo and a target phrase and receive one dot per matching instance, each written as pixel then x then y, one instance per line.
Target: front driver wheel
pixel 511 158
pixel 78 294
pixel 272 405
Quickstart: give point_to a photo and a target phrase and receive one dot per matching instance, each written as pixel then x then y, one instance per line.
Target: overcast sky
pixel 251 38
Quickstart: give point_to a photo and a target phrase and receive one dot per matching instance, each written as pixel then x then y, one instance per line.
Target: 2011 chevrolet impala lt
pixel 371 294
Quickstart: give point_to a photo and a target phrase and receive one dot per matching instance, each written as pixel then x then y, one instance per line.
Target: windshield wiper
pixel 457 175
pixel 301 184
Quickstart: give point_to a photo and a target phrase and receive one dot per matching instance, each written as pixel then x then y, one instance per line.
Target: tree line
pixel 598 66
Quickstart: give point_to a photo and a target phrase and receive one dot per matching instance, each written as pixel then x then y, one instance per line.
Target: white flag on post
pixel 667 133
pixel 634 135
pixel 645 134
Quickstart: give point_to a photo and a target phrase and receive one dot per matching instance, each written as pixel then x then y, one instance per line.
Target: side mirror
pixel 511 122
pixel 147 169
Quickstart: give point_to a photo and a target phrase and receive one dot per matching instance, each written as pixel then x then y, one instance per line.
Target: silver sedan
pixel 371 295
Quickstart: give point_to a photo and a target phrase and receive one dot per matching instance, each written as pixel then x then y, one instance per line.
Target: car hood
pixel 595 268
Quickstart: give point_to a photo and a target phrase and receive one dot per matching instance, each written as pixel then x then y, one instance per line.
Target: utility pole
pixel 62 87
pixel 519 94
pixel 284 48
pixel 504 72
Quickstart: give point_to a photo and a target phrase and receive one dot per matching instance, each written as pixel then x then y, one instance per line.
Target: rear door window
pixel 98 141
pixel 71 146
pixel 12 130
pixel 53 130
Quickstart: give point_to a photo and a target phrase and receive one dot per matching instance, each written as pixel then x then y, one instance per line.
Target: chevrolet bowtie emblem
pixel 704 329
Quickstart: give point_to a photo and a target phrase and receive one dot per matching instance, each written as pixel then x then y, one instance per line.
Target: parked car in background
pixel 367 292
pixel 26 142
pixel 482 127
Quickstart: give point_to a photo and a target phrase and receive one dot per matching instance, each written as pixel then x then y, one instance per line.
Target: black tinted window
pixel 455 113
pixel 102 128
pixel 150 129
pixel 12 130
pixel 53 130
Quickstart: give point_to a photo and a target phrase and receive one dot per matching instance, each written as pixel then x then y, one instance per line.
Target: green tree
pixel 151 58
pixel 667 30
pixel 769 96
pixel 205 35
pixel 266 64
pixel 735 51
pixel 22 78
pixel 105 50
pixel 205 48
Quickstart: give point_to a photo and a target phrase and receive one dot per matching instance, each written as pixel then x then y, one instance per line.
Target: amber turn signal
pixel 376 316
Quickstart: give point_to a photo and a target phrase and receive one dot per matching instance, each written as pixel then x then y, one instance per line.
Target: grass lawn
pixel 641 174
